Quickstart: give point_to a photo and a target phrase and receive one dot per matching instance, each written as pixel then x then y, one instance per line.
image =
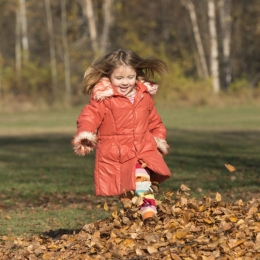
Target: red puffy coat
pixel 123 133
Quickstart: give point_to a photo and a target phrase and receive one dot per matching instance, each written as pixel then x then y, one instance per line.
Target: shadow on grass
pixel 198 159
pixel 56 234
pixel 36 165
pixel 43 183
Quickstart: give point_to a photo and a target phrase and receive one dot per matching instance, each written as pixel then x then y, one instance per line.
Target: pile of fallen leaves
pixel 185 229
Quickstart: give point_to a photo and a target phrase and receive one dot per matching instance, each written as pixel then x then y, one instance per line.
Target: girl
pixel 121 122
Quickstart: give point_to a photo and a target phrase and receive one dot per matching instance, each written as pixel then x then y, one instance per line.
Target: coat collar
pixel 104 89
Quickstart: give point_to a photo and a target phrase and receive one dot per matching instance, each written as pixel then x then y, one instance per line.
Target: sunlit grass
pixel 39 172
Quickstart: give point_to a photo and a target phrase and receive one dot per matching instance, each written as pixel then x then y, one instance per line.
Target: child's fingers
pixel 87 143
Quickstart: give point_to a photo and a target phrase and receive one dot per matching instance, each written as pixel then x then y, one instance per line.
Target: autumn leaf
pixel 151 249
pixel 139 252
pixel 233 219
pixel 218 197
pixel 186 217
pixel 114 214
pixel 184 228
pixel 184 187
pixel 230 167
pixel 169 194
pixel 105 206
pixel 47 255
pixel 129 242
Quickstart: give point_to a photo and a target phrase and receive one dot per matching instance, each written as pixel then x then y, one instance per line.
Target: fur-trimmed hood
pixel 104 88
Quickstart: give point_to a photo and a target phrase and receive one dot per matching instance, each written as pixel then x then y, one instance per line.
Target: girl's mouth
pixel 124 89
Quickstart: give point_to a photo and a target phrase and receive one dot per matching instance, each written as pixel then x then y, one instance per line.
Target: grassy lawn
pixel 44 186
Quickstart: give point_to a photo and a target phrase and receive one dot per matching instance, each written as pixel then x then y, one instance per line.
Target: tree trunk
pixel 225 22
pixel 65 50
pixel 108 20
pixel 214 63
pixel 0 85
pixel 18 53
pixel 193 17
pixel 88 11
pixel 52 47
pixel 198 65
pixel 23 20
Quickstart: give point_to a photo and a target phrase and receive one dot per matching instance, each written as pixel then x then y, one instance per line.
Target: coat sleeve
pixel 88 123
pixel 157 129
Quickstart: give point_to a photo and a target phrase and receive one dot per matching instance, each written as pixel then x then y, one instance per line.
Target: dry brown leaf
pixel 180 234
pixel 184 201
pixel 184 188
pixel 129 242
pixel 47 255
pixel 175 257
pixel 106 206
pixel 230 167
pixel 225 226
pixel 114 214
pixel 218 197
pixel 139 252
pixel 137 200
pixel 186 217
pixel 197 229
pixel 151 238
pixel 152 249
pixel 233 219
pixel 169 194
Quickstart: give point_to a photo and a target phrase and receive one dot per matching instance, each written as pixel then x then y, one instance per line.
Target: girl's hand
pixel 162 146
pixel 87 143
pixel 165 150
pixel 83 143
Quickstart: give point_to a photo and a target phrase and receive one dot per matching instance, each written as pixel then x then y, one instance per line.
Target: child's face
pixel 123 78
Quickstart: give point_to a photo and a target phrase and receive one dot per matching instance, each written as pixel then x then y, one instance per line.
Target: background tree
pixel 52 47
pixel 99 41
pixel 18 52
pixel 62 45
pixel 88 11
pixel 66 55
pixel 203 67
pixel 108 20
pixel 214 62
pixel 24 29
pixel 225 22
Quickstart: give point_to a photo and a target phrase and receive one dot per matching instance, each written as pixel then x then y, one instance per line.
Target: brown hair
pixel 104 67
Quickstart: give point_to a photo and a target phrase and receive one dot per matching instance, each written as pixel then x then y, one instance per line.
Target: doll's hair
pixel 104 67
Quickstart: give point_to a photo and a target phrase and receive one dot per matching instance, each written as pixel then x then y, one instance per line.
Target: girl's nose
pixel 125 81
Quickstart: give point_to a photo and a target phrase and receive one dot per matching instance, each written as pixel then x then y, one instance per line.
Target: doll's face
pixel 123 79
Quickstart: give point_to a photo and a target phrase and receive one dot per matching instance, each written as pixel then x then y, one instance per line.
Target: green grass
pixel 44 186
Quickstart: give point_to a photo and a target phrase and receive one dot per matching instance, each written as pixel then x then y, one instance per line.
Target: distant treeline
pixel 211 46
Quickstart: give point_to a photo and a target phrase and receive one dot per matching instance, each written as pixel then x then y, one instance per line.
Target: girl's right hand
pixel 87 143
